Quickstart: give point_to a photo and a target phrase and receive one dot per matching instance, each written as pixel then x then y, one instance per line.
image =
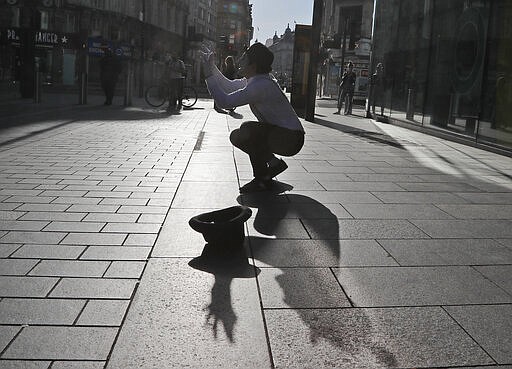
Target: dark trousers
pixel 109 86
pixel 343 94
pixel 261 140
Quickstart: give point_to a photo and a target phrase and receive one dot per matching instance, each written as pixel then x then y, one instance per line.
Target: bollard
pixel 128 87
pixel 410 105
pixel 37 87
pixel 82 96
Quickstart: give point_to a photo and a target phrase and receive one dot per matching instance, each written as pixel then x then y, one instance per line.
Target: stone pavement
pixel 385 248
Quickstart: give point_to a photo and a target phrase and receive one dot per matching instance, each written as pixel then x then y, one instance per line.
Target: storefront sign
pixel 42 39
pixel 97 46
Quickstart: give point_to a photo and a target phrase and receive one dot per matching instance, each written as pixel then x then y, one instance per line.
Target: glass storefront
pixel 447 65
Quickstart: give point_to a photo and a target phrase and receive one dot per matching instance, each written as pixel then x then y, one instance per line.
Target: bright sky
pixel 269 16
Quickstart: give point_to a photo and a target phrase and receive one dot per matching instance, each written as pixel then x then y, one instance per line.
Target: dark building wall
pixel 449 63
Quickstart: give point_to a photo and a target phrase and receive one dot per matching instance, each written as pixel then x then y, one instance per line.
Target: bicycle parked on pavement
pixel 156 95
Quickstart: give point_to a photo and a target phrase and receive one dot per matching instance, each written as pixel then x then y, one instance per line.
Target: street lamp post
pixel 309 113
pixel 142 18
pixel 27 48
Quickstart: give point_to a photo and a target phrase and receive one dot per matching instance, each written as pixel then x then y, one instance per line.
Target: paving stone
pixel 205 195
pixel 24 364
pixel 300 288
pixel 93 208
pixel 39 311
pixel 499 274
pixel 318 253
pixel 487 198
pixel 490 326
pixel 343 197
pixel 369 338
pixel 419 198
pixel 211 172
pixel 26 286
pixel 132 228
pixel 447 252
pixel 140 240
pixel 143 209
pixel 77 201
pixel 478 211
pixel 151 218
pixel 125 269
pixel 103 312
pixel 49 252
pixel 43 207
pixel 53 216
pixel 129 202
pixel 7 333
pixel 202 314
pixel 108 194
pixel 360 186
pixel 68 268
pixel 439 187
pixel 94 239
pixel 48 238
pixel 280 228
pixel 99 288
pixel 15 225
pixel 465 228
pixel 72 343
pixel 274 208
pixel 418 286
pixel 10 215
pixel 361 229
pixel 74 227
pixel 116 218
pixel 78 365
pixel 16 266
pixel 186 242
pixel 7 249
pixel 396 211
pixel 116 253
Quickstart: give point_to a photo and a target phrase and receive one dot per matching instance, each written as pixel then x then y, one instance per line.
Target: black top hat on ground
pixel 223 230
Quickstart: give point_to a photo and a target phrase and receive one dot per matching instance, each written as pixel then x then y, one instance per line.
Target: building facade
pixel 69 36
pixel 234 27
pixel 282 47
pixel 447 66
pixel 345 36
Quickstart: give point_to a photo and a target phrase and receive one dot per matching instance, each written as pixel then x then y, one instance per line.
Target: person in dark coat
pixel 347 86
pixel 110 67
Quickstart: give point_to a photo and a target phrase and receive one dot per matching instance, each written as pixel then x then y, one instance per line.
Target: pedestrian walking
pixel 277 130
pixel 346 90
pixel 110 67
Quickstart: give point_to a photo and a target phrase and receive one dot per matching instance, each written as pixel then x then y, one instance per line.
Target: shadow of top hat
pixel 223 230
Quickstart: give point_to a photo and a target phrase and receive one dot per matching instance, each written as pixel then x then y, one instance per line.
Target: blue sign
pixel 97 46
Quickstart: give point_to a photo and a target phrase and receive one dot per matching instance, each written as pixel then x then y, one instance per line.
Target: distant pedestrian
pixel 377 88
pixel 110 67
pixel 346 90
pixel 278 129
pixel 174 75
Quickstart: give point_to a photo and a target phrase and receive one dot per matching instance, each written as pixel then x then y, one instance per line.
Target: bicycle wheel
pixel 156 95
pixel 189 97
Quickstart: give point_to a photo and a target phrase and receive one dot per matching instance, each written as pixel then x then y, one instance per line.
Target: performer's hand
pixel 207 60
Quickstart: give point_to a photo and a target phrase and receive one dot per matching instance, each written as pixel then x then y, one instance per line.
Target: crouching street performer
pixel 278 129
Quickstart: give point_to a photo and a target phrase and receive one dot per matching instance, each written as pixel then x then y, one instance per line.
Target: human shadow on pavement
pixel 378 137
pixel 223 256
pixel 272 220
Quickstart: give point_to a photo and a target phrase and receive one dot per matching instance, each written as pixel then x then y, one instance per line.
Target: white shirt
pixel 264 96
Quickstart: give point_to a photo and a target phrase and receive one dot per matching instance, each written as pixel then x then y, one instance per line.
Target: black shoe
pixel 274 170
pixel 256 185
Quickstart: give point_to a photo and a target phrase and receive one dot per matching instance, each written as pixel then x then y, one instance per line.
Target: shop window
pixel 45 20
pixel 15 17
